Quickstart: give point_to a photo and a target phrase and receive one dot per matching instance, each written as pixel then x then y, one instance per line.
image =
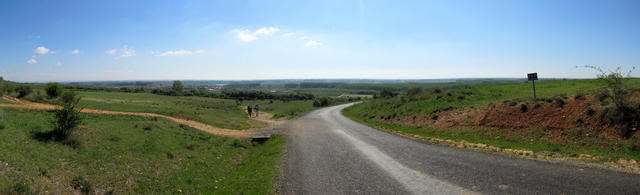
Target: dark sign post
pixel 533 77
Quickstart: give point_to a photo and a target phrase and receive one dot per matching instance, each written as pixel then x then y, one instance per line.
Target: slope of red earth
pixel 561 117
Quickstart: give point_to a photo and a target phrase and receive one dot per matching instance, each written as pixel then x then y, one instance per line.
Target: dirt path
pixel 195 124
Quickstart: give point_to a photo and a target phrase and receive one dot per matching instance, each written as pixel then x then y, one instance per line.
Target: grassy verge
pixel 127 154
pixel 500 138
pixel 535 139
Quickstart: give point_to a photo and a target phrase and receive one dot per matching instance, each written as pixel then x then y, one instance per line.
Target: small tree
pixel 69 97
pixel 23 90
pixel 66 119
pixel 177 86
pixel 386 93
pixel 54 90
pixel 414 91
pixel 622 113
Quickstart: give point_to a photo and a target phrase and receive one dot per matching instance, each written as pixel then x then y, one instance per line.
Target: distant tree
pixel 414 91
pixel 386 93
pixel 23 90
pixel 178 86
pixel 54 90
pixel 68 97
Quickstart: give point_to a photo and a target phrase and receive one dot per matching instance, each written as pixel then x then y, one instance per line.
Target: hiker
pixel 257 109
pixel 249 111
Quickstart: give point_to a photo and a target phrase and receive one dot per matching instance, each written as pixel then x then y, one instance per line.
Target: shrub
pixel 386 93
pixel 560 102
pixel 414 91
pixel 80 183
pixel 66 119
pixel 523 108
pixel 23 90
pixel 590 112
pixel 321 102
pixel 580 96
pixel 68 97
pixel 21 188
pixel 53 90
pixel 147 127
pixel 437 90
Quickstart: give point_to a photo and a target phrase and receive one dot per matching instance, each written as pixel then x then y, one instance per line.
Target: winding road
pixel 328 153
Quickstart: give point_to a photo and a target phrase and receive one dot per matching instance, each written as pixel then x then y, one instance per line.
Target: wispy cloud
pixel 312 43
pixel 289 35
pixel 180 53
pixel 125 51
pixel 75 52
pixel 32 61
pixel 247 35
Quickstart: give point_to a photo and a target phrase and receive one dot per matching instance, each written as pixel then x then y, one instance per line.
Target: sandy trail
pixel 264 117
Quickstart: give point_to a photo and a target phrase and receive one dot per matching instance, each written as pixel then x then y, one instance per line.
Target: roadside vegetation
pixel 569 117
pixel 127 154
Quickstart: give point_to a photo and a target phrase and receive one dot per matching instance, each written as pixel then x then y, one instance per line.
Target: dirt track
pixel 198 125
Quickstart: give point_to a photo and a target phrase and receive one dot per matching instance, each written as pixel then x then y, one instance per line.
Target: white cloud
pixel 59 64
pixel 75 52
pixel 312 43
pixel 245 35
pixel 266 31
pixel 289 35
pixel 41 50
pixel 127 52
pixel 180 53
pixel 32 61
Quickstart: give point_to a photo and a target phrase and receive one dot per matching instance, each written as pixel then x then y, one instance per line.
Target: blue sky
pixel 237 40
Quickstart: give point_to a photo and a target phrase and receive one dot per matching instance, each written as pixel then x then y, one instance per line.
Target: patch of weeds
pixel 21 188
pixel 2 126
pixel 114 138
pixel 513 103
pixel 170 155
pixel 536 106
pixel 524 108
pixel 602 96
pixel 560 102
pixel 191 147
pixel 80 183
pixel 461 97
pixel 239 144
pixel 154 118
pixel 580 96
pixel 580 121
pixel 148 127
pixel 183 126
pixel 434 117
pixel 590 112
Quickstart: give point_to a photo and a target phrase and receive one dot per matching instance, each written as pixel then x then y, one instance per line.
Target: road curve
pixel 328 153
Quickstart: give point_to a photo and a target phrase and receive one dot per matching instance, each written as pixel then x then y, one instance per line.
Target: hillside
pixel 569 117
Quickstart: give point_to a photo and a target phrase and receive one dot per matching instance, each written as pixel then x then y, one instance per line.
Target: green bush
pixel 54 90
pixel 66 119
pixel 80 183
pixel 68 97
pixel 23 90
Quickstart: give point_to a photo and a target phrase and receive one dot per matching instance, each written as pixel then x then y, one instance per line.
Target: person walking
pixel 249 110
pixel 256 108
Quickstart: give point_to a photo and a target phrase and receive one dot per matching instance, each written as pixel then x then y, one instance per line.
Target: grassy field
pixel 216 112
pixel 279 109
pixel 127 154
pixel 483 95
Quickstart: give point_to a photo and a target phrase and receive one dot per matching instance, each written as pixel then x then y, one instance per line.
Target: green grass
pixel 484 94
pixel 216 112
pixel 116 154
pixel 3 101
pixel 481 94
pixel 279 109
